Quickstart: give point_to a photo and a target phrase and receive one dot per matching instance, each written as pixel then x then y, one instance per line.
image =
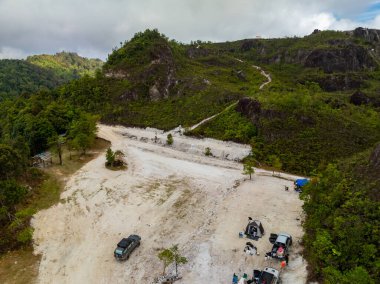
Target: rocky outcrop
pixel 359 98
pixel 119 74
pixel 190 84
pixel 247 45
pixel 197 51
pixel 154 93
pixel 159 74
pixel 338 82
pixel 253 110
pixel 349 58
pixel 250 108
pixel 130 95
pixel 239 74
pixel 369 35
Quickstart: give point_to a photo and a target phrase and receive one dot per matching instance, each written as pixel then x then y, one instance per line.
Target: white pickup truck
pixel 268 275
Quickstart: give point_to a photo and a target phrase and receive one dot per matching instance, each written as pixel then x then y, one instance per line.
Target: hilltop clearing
pixel 168 195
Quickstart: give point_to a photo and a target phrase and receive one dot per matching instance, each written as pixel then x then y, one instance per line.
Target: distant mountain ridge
pixel 44 71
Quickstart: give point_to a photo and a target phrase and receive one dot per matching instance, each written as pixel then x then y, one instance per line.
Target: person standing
pixel 235 279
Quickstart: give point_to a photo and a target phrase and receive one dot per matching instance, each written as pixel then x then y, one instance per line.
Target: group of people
pixel 242 280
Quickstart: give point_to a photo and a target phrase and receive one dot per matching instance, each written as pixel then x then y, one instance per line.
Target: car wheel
pixel 138 244
pixel 291 242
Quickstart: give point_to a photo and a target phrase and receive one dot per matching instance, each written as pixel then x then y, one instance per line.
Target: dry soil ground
pixel 168 195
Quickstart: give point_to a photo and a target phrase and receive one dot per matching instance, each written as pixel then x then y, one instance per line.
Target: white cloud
pixel 93 27
pixel 11 53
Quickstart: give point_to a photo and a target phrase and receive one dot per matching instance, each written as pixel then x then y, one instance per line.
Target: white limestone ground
pixel 168 195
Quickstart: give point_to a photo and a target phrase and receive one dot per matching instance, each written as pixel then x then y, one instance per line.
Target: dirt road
pixel 262 72
pixel 168 195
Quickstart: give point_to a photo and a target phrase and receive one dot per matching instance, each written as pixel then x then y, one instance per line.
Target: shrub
pixel 169 139
pixel 25 236
pixel 208 151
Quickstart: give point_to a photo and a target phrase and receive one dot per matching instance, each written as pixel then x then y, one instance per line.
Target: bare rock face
pixel 239 74
pixel 129 95
pixel 154 93
pixel 160 73
pixel 247 45
pixel 370 35
pixel 359 98
pixel 253 110
pixel 116 74
pixel 250 108
pixel 195 52
pixel 337 82
pixel 374 159
pixel 349 58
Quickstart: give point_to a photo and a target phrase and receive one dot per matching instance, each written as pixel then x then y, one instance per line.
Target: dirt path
pixel 211 117
pixel 168 195
pixel 267 75
pixel 262 72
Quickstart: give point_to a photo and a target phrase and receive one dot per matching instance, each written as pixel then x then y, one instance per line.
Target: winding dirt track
pixel 262 72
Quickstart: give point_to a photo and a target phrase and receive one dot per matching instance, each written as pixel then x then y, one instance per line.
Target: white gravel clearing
pixel 168 195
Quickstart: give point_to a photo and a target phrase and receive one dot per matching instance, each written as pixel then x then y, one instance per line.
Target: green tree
pixel 178 258
pixel 110 157
pixel 169 139
pixel 208 151
pixel 39 131
pixel 11 193
pixel 170 255
pixel 83 131
pixel 10 164
pixel 167 258
pixel 275 162
pixel 248 168
pixel 57 142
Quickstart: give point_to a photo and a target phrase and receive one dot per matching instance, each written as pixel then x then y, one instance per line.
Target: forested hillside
pixel 68 65
pixel 318 117
pixel 41 72
pixel 342 220
pixel 28 126
pixel 19 76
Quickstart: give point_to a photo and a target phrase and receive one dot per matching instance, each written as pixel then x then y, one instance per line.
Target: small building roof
pixel 45 156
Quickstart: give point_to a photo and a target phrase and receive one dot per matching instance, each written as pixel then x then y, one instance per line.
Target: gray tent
pixel 254 229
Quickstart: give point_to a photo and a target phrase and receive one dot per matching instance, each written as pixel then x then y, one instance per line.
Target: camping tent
pixel 254 229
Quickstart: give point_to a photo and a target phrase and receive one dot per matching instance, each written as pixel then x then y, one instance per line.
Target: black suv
pixel 126 246
pixel 281 244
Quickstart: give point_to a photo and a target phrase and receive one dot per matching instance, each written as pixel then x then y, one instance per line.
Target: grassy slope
pixel 314 127
pixel 205 86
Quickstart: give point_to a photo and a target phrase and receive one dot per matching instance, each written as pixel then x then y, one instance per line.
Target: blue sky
pixel 93 27
pixel 370 13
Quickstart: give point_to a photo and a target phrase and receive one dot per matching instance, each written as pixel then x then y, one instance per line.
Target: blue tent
pixel 301 182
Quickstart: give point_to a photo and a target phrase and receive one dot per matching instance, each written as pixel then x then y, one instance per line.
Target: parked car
pixel 281 244
pixel 126 246
pixel 268 275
